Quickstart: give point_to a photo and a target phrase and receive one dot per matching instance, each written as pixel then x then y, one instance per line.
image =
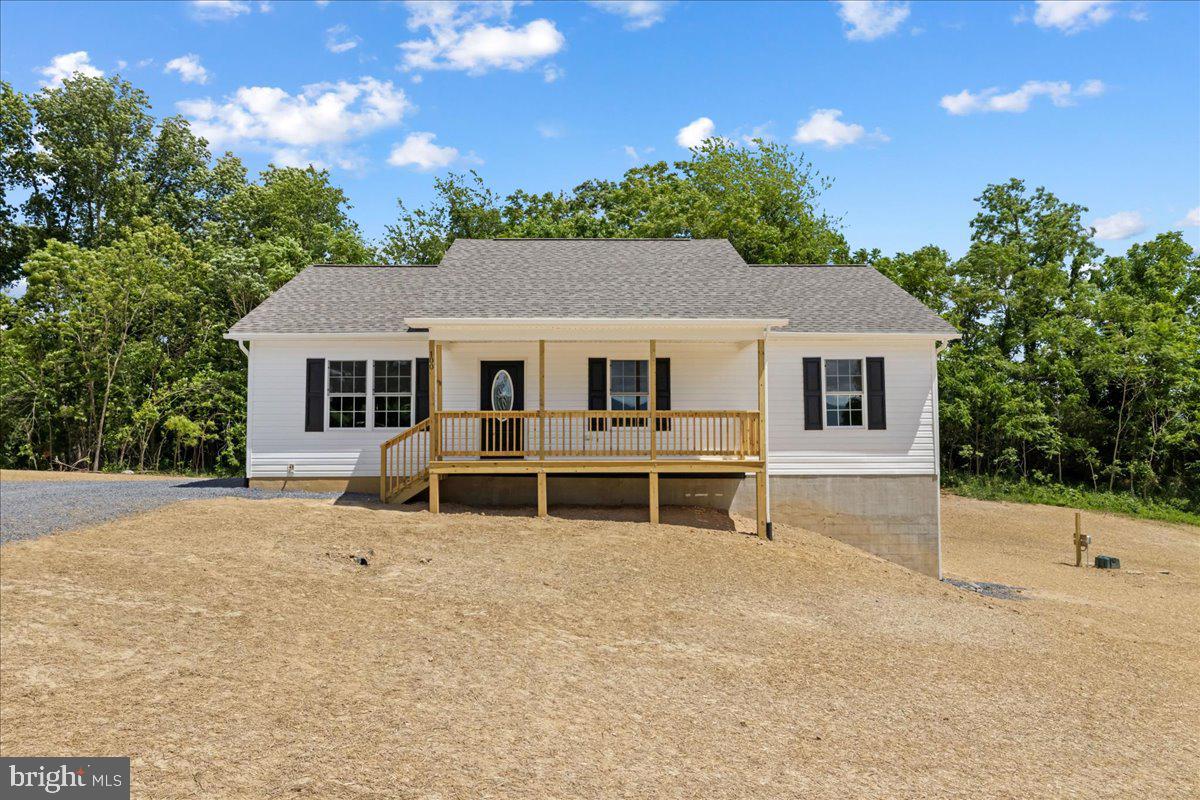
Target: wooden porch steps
pixel 411 489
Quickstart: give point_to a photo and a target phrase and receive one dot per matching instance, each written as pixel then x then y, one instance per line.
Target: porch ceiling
pixel 590 329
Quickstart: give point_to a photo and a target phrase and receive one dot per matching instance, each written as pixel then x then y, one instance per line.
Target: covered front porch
pixel 625 429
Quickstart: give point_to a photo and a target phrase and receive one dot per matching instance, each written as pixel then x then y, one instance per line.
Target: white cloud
pixel 635 155
pixel 550 130
pixel 122 63
pixel 461 38
pixel 825 128
pixel 867 20
pixel 1191 219
pixel 145 62
pixel 218 10
pixel 758 132
pixel 321 3
pixel 419 152
pixel 1072 16
pixel 322 115
pixel 189 68
pixel 1018 101
pixel 338 39
pixel 1121 225
pixel 552 72
pixel 695 132
pixel 638 14
pixel 65 65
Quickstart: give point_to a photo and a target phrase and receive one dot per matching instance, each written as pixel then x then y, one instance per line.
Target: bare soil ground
pixel 233 649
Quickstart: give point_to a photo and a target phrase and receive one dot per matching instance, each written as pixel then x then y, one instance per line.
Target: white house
pixel 540 372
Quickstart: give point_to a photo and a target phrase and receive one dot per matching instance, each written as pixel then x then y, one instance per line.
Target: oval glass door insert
pixel 502 391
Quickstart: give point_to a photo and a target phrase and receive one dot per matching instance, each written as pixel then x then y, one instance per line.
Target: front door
pixel 502 388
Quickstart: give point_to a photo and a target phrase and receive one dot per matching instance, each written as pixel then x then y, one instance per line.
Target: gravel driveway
pixel 29 509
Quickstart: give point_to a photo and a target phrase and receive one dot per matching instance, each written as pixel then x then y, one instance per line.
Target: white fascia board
pixel 599 322
pixel 325 335
pixel 593 329
pixel 863 335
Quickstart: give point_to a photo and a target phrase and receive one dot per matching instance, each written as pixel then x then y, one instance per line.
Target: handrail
pixel 403 459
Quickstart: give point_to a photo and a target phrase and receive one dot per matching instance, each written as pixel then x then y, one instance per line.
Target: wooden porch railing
pixel 404 460
pixel 598 434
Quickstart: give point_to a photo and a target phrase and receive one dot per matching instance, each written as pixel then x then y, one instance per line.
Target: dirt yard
pixel 234 649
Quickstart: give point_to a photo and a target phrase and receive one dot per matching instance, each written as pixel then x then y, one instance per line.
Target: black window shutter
pixel 662 390
pixel 812 394
pixel 314 395
pixel 597 390
pixel 876 405
pixel 422 384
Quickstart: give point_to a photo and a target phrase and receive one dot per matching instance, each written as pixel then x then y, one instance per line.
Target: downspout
pixel 243 345
pixel 938 347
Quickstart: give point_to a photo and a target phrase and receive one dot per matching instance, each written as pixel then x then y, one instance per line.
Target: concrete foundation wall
pixel 359 484
pixel 893 516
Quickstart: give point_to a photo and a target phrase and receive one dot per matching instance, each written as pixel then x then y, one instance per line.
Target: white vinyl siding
pixel 905 447
pixel 276 407
pixel 703 376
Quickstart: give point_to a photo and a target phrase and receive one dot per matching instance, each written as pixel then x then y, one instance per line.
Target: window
pixel 393 394
pixel 629 386
pixel 843 393
pixel 347 394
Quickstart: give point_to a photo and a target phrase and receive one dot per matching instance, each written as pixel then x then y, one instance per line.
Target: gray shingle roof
pixel 605 278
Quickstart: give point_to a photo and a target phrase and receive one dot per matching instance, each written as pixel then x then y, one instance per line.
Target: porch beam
pixel 635 467
pixel 761 478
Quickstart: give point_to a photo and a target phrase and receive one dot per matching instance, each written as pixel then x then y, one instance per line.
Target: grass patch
pixel 982 487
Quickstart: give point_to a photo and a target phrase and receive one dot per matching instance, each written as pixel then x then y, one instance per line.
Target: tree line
pixel 138 249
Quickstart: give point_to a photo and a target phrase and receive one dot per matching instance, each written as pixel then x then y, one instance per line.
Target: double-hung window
pixel 347 394
pixel 843 393
pixel 628 388
pixel 393 394
pixel 628 385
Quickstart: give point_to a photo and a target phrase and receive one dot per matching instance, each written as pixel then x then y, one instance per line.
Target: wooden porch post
pixel 383 465
pixel 433 418
pixel 541 489
pixel 653 498
pixel 760 478
pixel 541 413
pixel 652 366
pixel 434 496
pixel 439 376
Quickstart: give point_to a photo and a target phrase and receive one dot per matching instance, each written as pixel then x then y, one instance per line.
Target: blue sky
pixel 911 107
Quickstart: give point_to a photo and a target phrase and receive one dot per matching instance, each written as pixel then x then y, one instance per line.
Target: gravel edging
pixel 29 509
